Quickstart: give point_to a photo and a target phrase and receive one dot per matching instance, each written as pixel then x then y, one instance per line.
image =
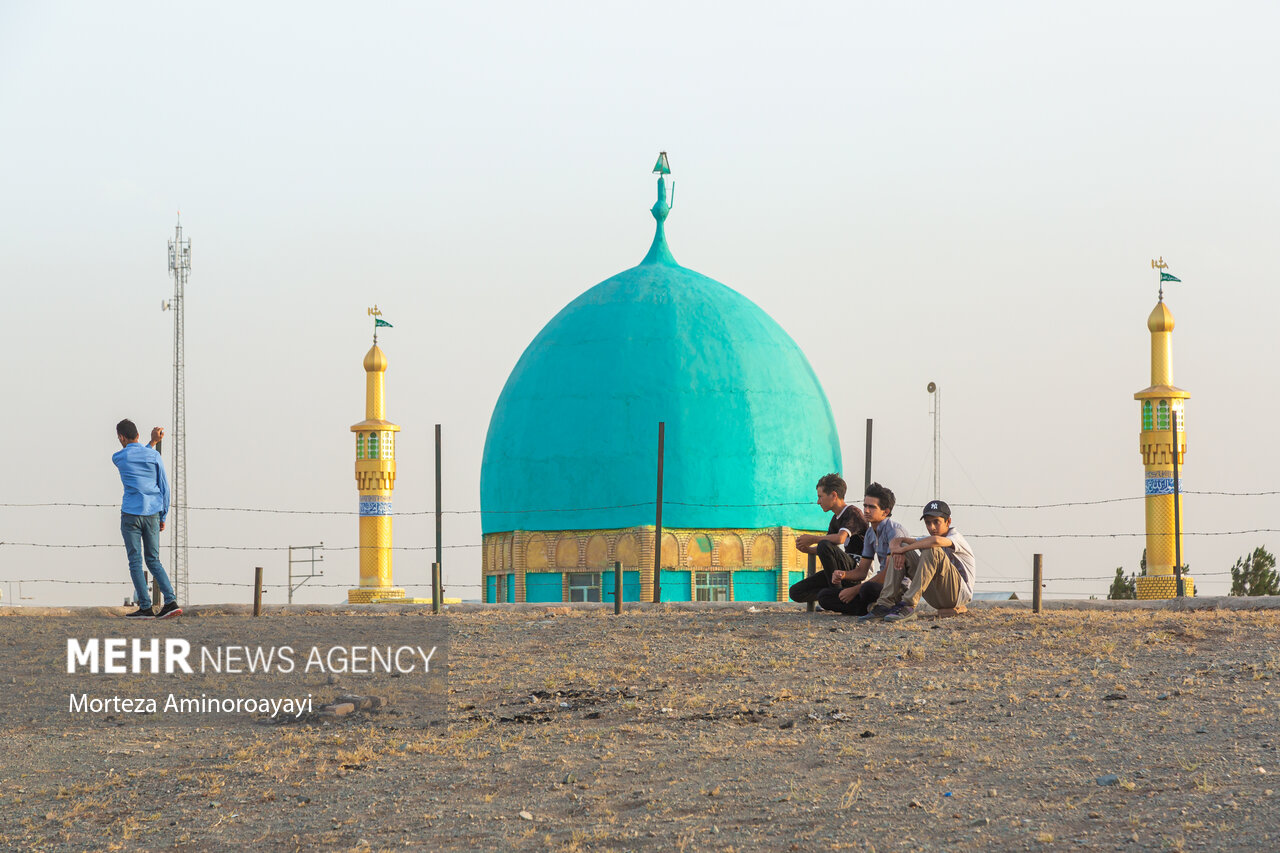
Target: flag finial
pixel 378 322
pixel 1164 276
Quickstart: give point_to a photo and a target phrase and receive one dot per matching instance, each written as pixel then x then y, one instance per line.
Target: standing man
pixel 837 549
pixel 142 514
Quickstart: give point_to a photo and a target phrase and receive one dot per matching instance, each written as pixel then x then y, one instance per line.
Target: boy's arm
pixel 902 544
pixel 809 541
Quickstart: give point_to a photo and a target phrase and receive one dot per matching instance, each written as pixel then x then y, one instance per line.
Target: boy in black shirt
pixel 839 550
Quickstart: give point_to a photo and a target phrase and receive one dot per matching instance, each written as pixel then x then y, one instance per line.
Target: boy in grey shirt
pixel 941 567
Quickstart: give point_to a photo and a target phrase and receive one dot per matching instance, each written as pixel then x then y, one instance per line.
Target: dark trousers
pixel 833 558
pixel 829 599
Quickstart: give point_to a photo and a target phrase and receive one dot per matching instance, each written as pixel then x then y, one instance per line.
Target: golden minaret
pixel 376 479
pixel 1161 402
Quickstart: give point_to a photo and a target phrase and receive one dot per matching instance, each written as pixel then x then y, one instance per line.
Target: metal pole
pixel 657 521
pixel 439 511
pixel 1177 508
pixel 436 592
pixel 1037 581
pixel 813 567
pixel 290 587
pixel 867 470
pixel 617 588
pixel 257 591
pixel 155 591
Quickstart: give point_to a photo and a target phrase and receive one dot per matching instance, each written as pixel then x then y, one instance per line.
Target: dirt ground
pixel 719 729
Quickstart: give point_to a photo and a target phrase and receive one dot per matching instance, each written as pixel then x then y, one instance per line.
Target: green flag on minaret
pixel 662 167
pixel 1164 276
pixel 379 322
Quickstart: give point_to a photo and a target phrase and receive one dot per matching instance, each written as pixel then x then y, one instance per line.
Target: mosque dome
pixel 572 443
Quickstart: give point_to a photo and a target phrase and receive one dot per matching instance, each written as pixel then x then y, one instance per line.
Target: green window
pixel 1162 415
pixel 1147 422
pixel 359 445
pixel 584 586
pixel 373 445
pixel 710 586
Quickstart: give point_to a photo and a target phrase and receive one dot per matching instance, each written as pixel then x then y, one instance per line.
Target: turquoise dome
pixel 573 441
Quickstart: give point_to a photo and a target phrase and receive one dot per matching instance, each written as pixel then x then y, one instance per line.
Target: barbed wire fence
pixel 987 579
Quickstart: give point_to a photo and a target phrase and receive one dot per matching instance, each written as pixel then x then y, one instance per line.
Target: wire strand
pixel 273 511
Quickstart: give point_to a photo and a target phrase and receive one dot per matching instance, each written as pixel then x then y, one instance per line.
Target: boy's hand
pixel 901 545
pixel 157 435
pixel 849 593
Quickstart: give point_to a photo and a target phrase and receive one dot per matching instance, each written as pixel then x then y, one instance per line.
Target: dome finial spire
pixel 659 252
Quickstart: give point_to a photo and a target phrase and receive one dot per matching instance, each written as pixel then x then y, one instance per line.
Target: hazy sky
pixel 968 194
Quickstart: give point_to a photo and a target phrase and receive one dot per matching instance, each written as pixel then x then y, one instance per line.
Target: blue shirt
pixel 876 542
pixel 146 488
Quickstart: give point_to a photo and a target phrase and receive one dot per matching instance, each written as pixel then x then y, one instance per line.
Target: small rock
pixel 1163 696
pixel 1109 779
pixel 992 793
pixel 982 821
pixel 526 816
pixel 341 709
pixel 362 703
pixel 867 733
pixel 1114 697
pixel 787 724
pixel 1261 770
pixel 914 804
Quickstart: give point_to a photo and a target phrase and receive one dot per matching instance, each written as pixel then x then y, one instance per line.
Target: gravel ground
pixel 717 729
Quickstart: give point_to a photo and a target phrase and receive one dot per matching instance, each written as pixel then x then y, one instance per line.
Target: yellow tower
pixel 1162 406
pixel 376 479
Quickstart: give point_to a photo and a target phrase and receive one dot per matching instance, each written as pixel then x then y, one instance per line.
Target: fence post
pixel 813 567
pixel 657 520
pixel 1037 581
pixel 257 591
pixel 866 471
pixel 617 588
pixel 435 588
pixel 155 592
pixel 1179 585
pixel 439 510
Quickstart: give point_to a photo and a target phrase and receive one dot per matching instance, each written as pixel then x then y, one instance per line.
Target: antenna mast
pixel 179 268
pixel 937 438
